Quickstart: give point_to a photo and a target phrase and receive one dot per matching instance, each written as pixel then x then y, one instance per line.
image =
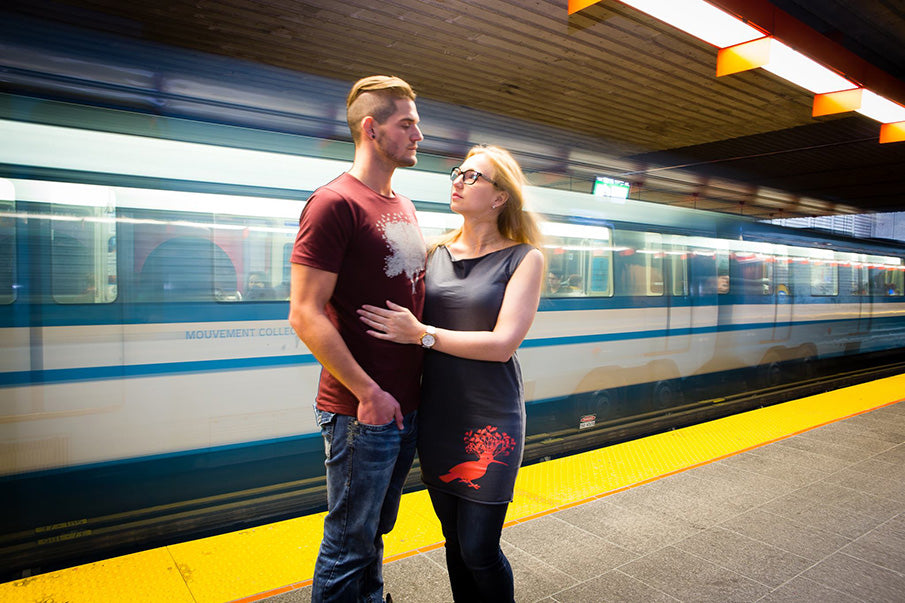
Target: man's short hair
pixel 376 96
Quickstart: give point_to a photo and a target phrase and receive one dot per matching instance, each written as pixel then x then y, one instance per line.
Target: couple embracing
pixel 418 350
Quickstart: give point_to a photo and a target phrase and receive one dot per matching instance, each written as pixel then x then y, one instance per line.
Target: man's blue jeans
pixel 366 469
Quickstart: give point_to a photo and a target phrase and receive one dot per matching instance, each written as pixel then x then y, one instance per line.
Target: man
pixel 555 285
pixel 359 243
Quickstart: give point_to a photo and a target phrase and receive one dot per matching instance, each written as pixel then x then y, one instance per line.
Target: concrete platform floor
pixel 818 517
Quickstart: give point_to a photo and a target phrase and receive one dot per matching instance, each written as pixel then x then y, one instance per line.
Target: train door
pixel 7 243
pixel 887 280
pixel 679 308
pixel 860 288
pixel 726 347
pixel 782 298
pixel 14 346
pixel 639 276
pixel 704 308
pixel 67 327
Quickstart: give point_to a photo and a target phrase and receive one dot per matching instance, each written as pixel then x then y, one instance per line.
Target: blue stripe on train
pixel 99 373
pixel 678 332
pixel 306 442
pixel 23 314
pixel 70 375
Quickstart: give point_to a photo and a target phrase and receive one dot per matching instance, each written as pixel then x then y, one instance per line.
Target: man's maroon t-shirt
pixel 374 246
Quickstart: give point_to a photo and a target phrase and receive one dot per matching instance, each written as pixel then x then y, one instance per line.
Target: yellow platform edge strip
pixel 253 564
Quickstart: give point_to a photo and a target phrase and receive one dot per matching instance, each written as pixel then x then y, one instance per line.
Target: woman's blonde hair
pixel 514 221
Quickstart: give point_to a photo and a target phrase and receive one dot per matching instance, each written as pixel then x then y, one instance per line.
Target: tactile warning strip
pixel 259 562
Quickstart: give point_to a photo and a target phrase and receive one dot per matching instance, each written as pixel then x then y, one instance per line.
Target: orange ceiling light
pixel 695 17
pixel 777 58
pixel 890 115
pixel 840 101
pixel 755 34
pixel 577 5
pixel 742 57
pixel 894 132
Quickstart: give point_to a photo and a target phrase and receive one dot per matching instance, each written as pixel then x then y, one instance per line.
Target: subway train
pixel 152 389
pixel 151 384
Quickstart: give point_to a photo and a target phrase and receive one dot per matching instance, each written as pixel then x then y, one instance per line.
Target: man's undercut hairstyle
pixel 376 96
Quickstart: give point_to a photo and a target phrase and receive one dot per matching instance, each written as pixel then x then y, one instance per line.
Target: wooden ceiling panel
pixel 646 91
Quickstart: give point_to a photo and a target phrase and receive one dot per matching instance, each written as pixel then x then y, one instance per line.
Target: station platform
pixel 801 501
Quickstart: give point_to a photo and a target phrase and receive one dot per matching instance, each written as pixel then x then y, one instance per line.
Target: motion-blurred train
pixel 152 389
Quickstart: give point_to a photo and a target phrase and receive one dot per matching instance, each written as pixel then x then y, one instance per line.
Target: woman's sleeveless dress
pixel 471 422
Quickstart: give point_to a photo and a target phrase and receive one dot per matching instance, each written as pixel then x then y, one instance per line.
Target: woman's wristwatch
pixel 429 337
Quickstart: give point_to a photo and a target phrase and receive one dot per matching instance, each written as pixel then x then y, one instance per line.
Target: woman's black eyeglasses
pixel 468 176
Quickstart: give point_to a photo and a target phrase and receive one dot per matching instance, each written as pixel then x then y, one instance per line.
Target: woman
pixel 483 284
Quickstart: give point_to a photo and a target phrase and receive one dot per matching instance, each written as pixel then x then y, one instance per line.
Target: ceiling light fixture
pixel 777 58
pixel 743 46
pixel 881 109
pixel 700 19
pixel 890 115
pixel 892 132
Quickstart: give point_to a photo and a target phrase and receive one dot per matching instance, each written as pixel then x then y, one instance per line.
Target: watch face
pixel 427 340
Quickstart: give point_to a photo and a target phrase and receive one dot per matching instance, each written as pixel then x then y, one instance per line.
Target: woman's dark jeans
pixel 478 570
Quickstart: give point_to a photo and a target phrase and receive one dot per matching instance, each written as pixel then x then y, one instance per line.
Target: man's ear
pixel 367 126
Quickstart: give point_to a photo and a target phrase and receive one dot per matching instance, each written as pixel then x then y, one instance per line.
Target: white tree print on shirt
pixel 407 251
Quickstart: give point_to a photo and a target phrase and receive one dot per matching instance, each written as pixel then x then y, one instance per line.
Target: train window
pixel 723 285
pixel 436 224
pixel 754 273
pixel 7 243
pixel 579 260
pixel 824 277
pixel 262 258
pixel 860 280
pixel 600 271
pixel 187 268
pixel 286 262
pixel 207 255
pixel 887 280
pixel 858 275
pixel 83 253
pixel 766 281
pixel 895 281
pixel 781 280
pixel 780 277
pixel 676 258
pixel 564 267
pixel 638 263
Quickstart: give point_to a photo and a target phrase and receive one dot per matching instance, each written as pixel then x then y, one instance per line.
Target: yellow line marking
pixel 260 562
pixel 146 577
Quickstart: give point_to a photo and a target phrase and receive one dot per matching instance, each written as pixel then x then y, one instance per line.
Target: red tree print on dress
pixel 486 444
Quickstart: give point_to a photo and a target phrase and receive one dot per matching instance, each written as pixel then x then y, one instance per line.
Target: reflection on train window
pixel 186 268
pixel 754 274
pixel 211 258
pixel 435 225
pixel 887 281
pixel 781 275
pixel 578 266
pixel 287 264
pixel 83 254
pixel 723 284
pixel 638 263
pixel 600 270
pixel 565 258
pixel 824 277
pixel 858 272
pixel 677 267
pixel 7 251
pixel 261 257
